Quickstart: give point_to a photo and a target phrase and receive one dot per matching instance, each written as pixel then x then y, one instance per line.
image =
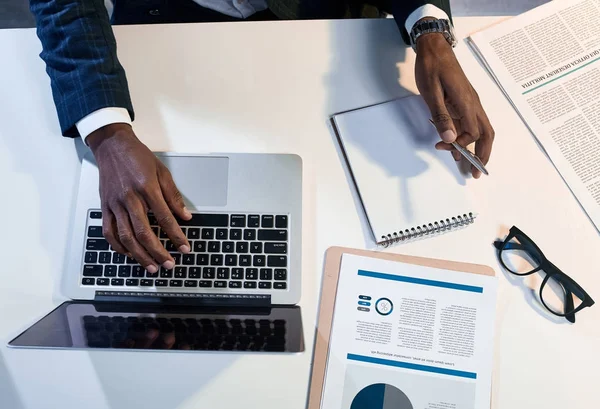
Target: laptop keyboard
pixel 189 333
pixel 228 251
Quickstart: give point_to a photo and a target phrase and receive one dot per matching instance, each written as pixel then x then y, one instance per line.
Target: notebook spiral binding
pixel 427 229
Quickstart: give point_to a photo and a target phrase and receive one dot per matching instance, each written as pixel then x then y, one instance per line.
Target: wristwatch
pixel 432 25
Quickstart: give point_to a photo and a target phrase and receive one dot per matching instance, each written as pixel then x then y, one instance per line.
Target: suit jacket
pixel 80 50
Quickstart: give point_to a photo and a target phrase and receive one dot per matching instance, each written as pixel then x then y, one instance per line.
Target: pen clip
pixel 470 156
pixel 464 151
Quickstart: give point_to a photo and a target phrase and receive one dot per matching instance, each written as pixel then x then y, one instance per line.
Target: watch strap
pixel 432 25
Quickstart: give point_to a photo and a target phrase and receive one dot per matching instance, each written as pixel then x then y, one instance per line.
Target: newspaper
pixel 547 63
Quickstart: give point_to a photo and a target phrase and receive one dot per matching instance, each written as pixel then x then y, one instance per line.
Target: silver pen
pixel 471 157
pixel 468 155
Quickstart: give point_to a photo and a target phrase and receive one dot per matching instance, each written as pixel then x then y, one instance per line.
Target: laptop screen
pixel 83 325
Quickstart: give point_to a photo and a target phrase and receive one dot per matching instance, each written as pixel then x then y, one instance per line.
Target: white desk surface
pixel 270 87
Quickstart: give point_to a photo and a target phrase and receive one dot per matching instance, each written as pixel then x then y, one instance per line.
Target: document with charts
pixel 406 336
pixel 547 63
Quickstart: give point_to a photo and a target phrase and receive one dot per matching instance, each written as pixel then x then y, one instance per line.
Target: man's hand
pixel 455 107
pixel 132 182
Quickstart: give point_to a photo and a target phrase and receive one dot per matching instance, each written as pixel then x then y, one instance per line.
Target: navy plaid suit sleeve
pixel 80 52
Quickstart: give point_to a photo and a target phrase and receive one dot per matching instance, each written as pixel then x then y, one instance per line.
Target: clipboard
pixel 331 271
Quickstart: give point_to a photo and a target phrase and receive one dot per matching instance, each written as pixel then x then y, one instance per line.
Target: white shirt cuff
pixel 100 118
pixel 428 10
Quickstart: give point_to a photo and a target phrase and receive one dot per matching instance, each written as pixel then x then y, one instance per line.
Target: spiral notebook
pixel 408 189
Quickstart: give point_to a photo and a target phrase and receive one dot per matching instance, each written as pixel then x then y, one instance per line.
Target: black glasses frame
pixel 569 285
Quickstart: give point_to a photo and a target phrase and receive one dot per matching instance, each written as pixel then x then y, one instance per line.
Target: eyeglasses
pixel 559 293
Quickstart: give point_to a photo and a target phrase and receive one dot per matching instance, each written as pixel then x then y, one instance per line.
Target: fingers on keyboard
pixel 233 251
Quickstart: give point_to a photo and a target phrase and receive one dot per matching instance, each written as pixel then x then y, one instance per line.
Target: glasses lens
pixel 554 295
pixel 519 256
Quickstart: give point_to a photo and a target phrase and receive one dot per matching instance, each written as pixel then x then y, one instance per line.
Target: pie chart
pixel 381 396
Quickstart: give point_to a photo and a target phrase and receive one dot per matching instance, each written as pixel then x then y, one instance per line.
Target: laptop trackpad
pixel 202 180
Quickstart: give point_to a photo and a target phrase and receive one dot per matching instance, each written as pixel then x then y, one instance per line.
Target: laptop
pixel 241 282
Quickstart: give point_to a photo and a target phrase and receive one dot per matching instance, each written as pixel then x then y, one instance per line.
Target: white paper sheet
pixel 400 176
pixel 409 337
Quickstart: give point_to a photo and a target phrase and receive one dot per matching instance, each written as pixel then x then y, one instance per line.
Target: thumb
pixel 172 195
pixel 442 120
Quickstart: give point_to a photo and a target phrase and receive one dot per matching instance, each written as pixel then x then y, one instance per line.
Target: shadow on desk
pixel 9 396
pixel 157 380
pixel 40 170
pixel 109 380
pixel 364 70
pixel 493 7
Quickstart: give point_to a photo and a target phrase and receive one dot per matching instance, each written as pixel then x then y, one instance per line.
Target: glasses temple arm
pixel 569 306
